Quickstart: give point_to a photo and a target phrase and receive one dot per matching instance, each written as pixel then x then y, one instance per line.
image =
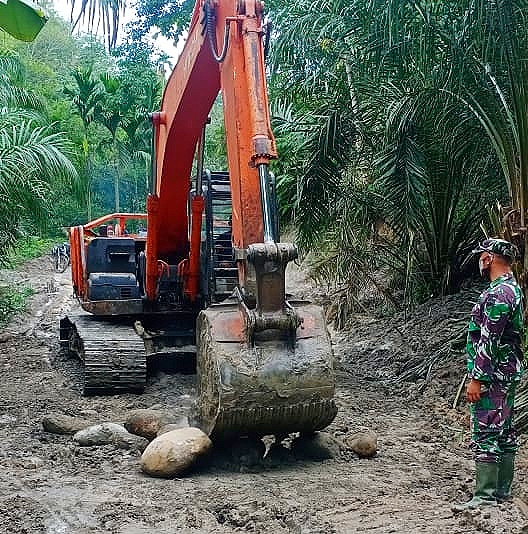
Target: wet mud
pixel 48 484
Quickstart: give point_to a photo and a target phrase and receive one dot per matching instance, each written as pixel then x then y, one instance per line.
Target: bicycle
pixel 60 255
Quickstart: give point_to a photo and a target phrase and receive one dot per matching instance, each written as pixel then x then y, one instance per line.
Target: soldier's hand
pixel 473 390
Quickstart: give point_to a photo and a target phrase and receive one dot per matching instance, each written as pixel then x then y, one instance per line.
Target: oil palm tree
pixel 86 97
pixel 99 15
pixel 32 155
pixel 386 71
pixel 109 113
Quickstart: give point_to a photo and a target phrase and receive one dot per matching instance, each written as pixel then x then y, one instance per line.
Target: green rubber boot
pixel 505 477
pixel 485 487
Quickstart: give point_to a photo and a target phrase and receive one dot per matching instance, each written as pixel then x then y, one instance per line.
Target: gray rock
pixel 317 446
pixel 364 444
pixel 110 433
pixel 175 452
pixel 58 423
pixel 148 422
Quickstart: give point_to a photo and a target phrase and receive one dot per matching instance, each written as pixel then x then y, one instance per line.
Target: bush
pixel 13 300
pixel 27 248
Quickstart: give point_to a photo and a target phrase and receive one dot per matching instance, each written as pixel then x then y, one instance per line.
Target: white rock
pixel 174 452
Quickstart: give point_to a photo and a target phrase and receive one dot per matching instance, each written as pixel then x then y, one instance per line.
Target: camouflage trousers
pixel 492 427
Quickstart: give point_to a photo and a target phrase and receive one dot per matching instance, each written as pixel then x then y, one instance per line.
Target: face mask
pixel 484 270
pixel 481 266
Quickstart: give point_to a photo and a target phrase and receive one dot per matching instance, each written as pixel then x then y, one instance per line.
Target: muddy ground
pixel 50 485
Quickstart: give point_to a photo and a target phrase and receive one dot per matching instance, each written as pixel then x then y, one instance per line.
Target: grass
pixel 12 301
pixel 26 249
pixel 13 298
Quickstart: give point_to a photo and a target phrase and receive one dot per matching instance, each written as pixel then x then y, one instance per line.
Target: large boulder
pixel 148 422
pixel 364 444
pixel 58 423
pixel 183 422
pixel 174 452
pixel 110 433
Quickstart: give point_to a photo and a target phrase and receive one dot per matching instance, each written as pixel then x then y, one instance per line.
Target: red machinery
pixel 264 363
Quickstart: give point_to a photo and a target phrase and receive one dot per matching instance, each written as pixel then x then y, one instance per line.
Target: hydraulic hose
pixel 210 23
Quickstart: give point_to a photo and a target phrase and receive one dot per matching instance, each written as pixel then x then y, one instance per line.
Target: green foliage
pixel 63 150
pixel 381 97
pixel 13 300
pixel 103 14
pixel 27 248
pixel 170 17
pixel 31 155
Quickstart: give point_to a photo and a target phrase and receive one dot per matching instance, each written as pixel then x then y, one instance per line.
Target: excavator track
pixel 113 354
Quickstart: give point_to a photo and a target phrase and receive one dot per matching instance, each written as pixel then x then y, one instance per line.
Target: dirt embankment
pixel 50 485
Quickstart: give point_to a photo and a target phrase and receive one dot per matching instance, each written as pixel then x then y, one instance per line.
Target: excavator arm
pixel 264 364
pixel 223 53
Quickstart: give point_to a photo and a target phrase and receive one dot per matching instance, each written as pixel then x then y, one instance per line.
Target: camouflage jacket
pixel 494 333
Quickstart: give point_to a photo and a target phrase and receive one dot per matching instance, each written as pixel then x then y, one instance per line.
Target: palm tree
pixel 31 156
pixel 370 84
pixel 102 15
pixel 110 115
pixel 493 49
pixel 86 97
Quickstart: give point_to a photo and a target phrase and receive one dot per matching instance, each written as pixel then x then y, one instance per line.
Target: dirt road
pixel 50 485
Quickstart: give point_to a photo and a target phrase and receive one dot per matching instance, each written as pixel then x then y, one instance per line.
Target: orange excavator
pixel 206 279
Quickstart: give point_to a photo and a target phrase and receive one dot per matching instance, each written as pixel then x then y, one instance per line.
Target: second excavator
pixel 207 278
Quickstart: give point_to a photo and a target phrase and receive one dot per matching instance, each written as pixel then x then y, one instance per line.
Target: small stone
pixel 110 433
pixel 57 423
pixel 33 462
pixel 174 452
pixel 364 444
pixel 7 419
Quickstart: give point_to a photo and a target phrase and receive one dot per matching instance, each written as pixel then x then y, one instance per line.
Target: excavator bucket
pixel 278 382
pixel 267 369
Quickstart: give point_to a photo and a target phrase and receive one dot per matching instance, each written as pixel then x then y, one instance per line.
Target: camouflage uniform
pixel 494 357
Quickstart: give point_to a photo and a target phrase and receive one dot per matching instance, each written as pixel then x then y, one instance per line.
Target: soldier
pixel 495 366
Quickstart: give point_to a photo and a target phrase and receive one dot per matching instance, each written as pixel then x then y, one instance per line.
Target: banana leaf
pixel 21 18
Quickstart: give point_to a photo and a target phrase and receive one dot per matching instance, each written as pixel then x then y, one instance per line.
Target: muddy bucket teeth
pixel 278 384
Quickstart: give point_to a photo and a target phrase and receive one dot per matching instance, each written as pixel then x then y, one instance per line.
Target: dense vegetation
pixel 401 122
pixel 74 131
pixel 401 128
